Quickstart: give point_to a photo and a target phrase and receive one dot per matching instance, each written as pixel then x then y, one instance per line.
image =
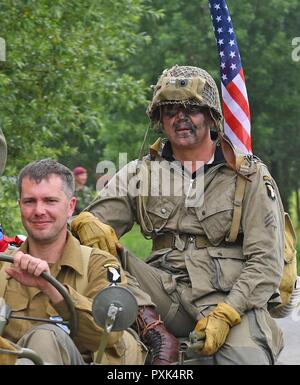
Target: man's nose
pixel 40 208
pixel 181 112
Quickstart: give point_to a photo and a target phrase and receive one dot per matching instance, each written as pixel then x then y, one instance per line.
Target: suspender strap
pixel 3 278
pixel 142 199
pixel 237 209
pixel 82 280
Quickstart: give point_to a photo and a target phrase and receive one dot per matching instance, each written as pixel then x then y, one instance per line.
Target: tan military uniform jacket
pixel 2 152
pixel 244 275
pixel 31 301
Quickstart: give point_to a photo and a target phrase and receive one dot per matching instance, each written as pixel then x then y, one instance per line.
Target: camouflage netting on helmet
pixel 185 85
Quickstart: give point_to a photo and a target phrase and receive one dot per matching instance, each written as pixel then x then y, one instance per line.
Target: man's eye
pixel 193 110
pixel 50 200
pixel 170 110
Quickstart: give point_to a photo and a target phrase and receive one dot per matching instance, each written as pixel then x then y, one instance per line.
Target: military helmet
pixel 185 85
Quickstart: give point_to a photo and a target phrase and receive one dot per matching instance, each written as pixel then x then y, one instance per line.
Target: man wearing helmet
pixel 199 275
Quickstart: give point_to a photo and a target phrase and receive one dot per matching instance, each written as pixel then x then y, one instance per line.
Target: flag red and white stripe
pixel 237 125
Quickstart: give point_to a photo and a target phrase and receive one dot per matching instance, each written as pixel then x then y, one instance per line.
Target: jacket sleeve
pixel 89 333
pixel 115 204
pixel 263 244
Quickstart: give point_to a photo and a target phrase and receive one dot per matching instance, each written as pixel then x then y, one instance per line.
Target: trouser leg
pixel 149 284
pixel 146 282
pixel 255 341
pixel 52 344
pixel 129 350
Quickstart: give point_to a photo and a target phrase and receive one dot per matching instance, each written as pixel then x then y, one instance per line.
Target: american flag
pixel 236 110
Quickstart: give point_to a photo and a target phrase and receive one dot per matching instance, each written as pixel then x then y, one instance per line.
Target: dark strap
pixel 237 209
pixel 167 241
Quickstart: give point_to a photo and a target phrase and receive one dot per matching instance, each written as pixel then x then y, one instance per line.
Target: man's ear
pixel 72 205
pixel 210 118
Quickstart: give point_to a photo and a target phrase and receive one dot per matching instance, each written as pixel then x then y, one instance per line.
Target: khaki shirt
pixel 3 152
pixel 32 302
pixel 245 276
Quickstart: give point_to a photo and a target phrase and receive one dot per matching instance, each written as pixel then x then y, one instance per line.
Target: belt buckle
pixel 189 238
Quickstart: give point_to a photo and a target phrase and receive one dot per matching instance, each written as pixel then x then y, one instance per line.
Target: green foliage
pixel 136 243
pixel 75 84
pixel 9 209
pixel 272 86
pixel 61 84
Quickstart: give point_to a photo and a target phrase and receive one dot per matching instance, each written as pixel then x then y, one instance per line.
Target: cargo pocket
pixel 227 265
pixel 129 350
pixel 159 211
pixel 216 221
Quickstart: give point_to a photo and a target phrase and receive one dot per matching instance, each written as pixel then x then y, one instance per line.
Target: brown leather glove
pixel 92 232
pixel 7 358
pixel 216 327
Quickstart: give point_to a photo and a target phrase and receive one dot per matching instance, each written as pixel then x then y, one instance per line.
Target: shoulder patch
pixel 270 191
pixel 113 273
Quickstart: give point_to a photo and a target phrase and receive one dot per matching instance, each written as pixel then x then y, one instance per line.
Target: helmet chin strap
pixel 150 125
pixel 141 154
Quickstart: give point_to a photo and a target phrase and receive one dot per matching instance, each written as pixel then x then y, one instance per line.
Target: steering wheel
pixel 73 322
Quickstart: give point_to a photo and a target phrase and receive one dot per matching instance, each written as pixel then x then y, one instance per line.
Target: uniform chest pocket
pixel 16 300
pixel 216 222
pixel 159 211
pixel 227 265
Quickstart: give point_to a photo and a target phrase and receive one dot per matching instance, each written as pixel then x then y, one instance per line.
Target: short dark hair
pixel 42 169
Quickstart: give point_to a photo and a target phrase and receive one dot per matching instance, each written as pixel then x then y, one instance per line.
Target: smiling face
pixel 45 208
pixel 185 126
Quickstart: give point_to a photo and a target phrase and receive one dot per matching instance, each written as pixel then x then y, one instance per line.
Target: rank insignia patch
pixel 267 178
